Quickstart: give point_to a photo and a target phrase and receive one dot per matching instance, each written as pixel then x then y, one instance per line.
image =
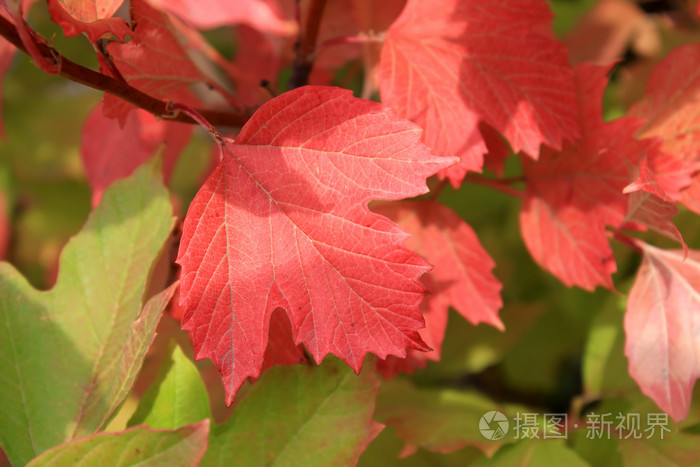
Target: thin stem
pixel 501 185
pixel 101 82
pixel 306 45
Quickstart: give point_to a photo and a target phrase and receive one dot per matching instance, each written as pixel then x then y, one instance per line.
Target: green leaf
pixel 70 355
pixel 535 453
pixel 386 450
pixel 300 415
pixel 470 349
pixel 439 420
pixel 137 446
pixel 604 363
pixel 676 449
pixel 177 397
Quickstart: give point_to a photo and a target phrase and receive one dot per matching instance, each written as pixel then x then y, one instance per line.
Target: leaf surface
pixel 440 420
pixel 663 315
pixel 177 397
pixel 93 18
pixel 649 211
pixel 670 111
pixel 461 276
pixel 303 415
pixel 154 61
pixel 111 152
pixel 283 222
pixel 137 446
pixel 82 343
pixel 447 65
pixel 573 194
pixel 273 16
pixel 534 453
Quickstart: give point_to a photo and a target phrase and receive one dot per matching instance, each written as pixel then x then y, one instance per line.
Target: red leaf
pixel 572 195
pixel 283 222
pixel 110 152
pixel 670 112
pixel 92 18
pixel 461 277
pixel 273 16
pixel 153 62
pixel 661 323
pixel 648 211
pixel 449 64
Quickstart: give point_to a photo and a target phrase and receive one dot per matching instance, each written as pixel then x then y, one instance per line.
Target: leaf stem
pixel 361 38
pixel 306 45
pixel 101 82
pixel 502 185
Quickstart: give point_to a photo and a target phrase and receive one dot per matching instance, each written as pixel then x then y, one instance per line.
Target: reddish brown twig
pixel 101 82
pixel 306 45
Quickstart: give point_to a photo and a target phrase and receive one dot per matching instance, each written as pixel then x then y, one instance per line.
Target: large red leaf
pixel 93 18
pixel 273 16
pixel 671 113
pixel 573 194
pixel 110 152
pixel 154 61
pixel 449 64
pixel 461 276
pixel 283 222
pixel 661 323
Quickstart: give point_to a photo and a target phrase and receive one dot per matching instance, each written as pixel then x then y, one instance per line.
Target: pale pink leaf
pixel 662 327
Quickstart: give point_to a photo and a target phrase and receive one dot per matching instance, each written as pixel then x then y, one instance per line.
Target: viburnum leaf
pixel 136 446
pixel 93 18
pixel 82 342
pixel 449 64
pixel 177 397
pixel 461 276
pixel 439 420
pixel 153 61
pixel 573 194
pixel 297 411
pixel 670 113
pixel 273 16
pixel 663 315
pixel 649 211
pixel 283 222
pixel 110 152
